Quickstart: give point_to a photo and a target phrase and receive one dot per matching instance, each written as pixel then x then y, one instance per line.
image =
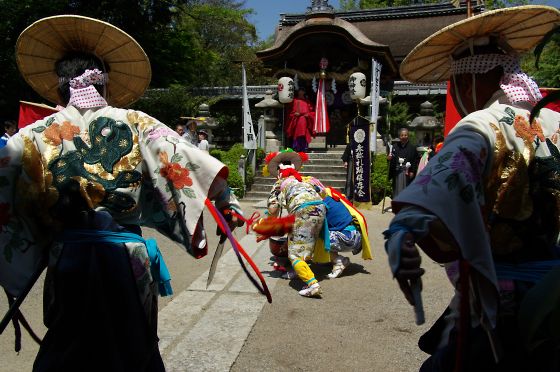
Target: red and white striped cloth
pixel 321 124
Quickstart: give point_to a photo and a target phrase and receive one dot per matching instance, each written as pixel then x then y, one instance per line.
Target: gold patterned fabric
pixel 495 187
pixel 125 162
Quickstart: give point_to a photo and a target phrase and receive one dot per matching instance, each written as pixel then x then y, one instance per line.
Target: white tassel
pixel 296 83
pixel 314 84
pixel 333 86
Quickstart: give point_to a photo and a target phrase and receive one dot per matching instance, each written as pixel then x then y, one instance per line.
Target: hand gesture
pixel 409 270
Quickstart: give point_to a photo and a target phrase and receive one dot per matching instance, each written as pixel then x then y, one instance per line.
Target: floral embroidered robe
pixel 293 195
pixel 495 188
pixel 126 162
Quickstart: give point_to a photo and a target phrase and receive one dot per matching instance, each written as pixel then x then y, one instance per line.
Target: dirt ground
pixel 361 323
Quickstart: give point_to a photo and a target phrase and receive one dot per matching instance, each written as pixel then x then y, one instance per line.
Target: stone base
pixel 272 145
pixel 319 142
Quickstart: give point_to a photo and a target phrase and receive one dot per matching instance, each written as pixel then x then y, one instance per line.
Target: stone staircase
pixel 325 165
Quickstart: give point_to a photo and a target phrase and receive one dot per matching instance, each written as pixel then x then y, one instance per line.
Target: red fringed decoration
pixel 270 156
pixel 290 172
pixel 304 157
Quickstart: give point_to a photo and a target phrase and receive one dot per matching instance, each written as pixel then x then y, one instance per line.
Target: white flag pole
pixel 249 140
pixel 374 109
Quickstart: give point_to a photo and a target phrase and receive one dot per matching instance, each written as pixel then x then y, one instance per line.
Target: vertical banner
pixel 261 136
pixel 360 137
pixel 249 139
pixel 452 116
pixel 375 91
pixel 321 124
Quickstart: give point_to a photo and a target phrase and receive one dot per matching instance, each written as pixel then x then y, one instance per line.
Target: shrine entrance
pixel 324 49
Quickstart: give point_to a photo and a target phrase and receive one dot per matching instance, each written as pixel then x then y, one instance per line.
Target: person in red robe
pixel 300 123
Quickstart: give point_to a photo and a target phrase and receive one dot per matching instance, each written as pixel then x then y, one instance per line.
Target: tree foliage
pixel 189 42
pixel 399 116
pixel 346 5
pixel 547 73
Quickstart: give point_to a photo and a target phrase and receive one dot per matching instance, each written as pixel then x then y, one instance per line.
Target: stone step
pixel 325 155
pixel 256 197
pixel 311 168
pixel 323 177
pixel 337 167
pixel 323 161
pixel 261 191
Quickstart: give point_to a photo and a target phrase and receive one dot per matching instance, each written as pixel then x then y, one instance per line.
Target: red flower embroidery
pixel 4 214
pixel 178 175
pixel 527 131
pixel 173 172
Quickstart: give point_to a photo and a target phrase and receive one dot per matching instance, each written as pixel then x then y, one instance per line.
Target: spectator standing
pixel 403 162
pixel 191 134
pixel 10 128
pixel 203 141
pixel 180 129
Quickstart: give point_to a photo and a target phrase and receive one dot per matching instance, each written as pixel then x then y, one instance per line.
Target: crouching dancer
pixel 347 231
pixel 302 200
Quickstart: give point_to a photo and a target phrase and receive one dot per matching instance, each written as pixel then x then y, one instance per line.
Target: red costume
pixel 300 124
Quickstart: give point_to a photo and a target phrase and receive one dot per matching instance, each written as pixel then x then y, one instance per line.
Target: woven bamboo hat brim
pixel 293 157
pixel 46 41
pixel 521 28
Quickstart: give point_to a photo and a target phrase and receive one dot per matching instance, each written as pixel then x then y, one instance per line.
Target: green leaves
pixel 545 40
pixel 188 192
pixel 192 166
pixel 509 118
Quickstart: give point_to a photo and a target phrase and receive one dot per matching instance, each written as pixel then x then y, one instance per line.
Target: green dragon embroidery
pixel 111 140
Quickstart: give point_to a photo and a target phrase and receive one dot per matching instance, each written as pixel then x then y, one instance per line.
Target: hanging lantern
pixel 357 85
pixel 286 90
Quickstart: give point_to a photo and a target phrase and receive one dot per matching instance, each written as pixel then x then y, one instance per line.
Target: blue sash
pixel 159 270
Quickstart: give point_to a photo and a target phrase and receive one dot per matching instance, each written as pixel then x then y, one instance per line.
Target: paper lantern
pixel 286 88
pixel 357 85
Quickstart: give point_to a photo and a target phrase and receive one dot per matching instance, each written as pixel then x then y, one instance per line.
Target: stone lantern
pixel 267 123
pixel 425 125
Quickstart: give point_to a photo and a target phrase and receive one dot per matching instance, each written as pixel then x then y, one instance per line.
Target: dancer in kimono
pixel 347 231
pixel 302 200
pixel 487 204
pixel 81 182
pixel 300 126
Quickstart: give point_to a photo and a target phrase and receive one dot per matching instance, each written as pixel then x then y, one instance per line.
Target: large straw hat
pixel 46 41
pixel 521 28
pixel 273 159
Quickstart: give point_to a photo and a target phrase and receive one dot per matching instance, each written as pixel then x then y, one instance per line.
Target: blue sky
pixel 267 12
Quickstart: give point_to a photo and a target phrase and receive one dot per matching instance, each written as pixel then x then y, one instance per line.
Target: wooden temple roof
pixel 385 33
